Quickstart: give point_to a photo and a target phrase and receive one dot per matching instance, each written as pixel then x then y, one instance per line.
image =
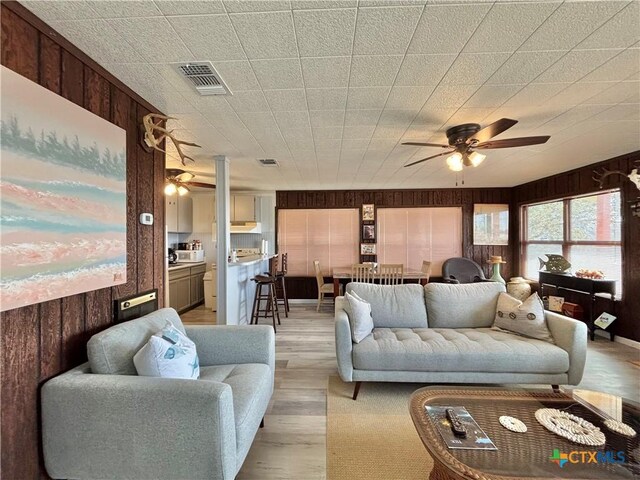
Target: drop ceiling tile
pixel 417 70
pixel 292 120
pixel 153 38
pixel 189 7
pixel 508 25
pixel 326 98
pixel 441 31
pixel 57 11
pixel 326 72
pixel 322 4
pixel 450 96
pixel 524 67
pixel 362 117
pixel 388 131
pixel 535 94
pixel 571 23
pixel 619 32
pixel 248 101
pixel 408 98
pixel 579 92
pixel 474 68
pixel 367 98
pixel 391 3
pixel 266 34
pixel 374 35
pixel 258 122
pixel 358 144
pixel 286 100
pixel 299 133
pixel 327 118
pixel 468 115
pixel 619 67
pixel 210 37
pixel 117 8
pixel 238 75
pixel 168 73
pixel 374 71
pixel 434 115
pixel 360 131
pixel 398 118
pixel 238 6
pixel 327 132
pixel 278 74
pixel 575 65
pixel 621 92
pixel 96 36
pixel 325 32
pixel 328 145
pixel 215 106
pixel 492 95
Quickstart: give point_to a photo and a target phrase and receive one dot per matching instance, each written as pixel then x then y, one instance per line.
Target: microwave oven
pixel 190 256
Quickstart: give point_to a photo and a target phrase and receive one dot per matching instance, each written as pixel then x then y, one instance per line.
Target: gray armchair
pixel 462 270
pixel 101 420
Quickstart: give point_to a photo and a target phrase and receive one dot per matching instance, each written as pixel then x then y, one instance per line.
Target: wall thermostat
pixel 146 218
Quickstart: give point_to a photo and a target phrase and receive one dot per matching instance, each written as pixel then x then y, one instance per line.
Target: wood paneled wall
pixel 579 182
pixel 454 197
pixel 40 341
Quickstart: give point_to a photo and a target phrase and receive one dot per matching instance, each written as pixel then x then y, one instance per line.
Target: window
pixel 586 230
pixel 328 235
pixel 411 235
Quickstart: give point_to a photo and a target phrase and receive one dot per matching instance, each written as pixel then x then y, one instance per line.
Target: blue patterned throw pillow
pixel 168 353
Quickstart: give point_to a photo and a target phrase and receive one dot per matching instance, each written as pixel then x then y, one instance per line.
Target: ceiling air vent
pixel 203 77
pixel 268 162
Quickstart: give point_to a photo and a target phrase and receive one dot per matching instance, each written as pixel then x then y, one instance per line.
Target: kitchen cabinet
pixel 179 214
pixel 243 208
pixel 186 287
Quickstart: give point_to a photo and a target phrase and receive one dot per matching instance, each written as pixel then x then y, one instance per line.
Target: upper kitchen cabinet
pixel 179 214
pixel 243 208
pixel 204 212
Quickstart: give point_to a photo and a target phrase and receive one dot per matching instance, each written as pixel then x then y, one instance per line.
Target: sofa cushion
pixel 360 320
pixel 394 306
pixel 459 350
pixel 470 305
pixel 111 351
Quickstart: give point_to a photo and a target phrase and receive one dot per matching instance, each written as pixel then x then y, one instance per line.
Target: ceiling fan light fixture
pixel 476 158
pixel 182 190
pixel 170 189
pixel 454 162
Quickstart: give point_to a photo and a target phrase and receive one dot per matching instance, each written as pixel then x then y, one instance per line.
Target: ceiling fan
pixel 466 138
pixel 179 181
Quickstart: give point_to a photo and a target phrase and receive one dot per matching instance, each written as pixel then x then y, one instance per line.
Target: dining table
pixel 343 275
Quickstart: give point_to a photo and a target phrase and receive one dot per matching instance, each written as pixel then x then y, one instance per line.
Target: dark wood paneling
pixel 580 182
pixel 41 341
pixel 458 197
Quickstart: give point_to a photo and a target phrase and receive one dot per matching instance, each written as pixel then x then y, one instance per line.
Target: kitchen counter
pixel 250 260
pixel 177 266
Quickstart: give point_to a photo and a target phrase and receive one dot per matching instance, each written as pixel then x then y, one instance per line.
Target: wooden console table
pixel 587 286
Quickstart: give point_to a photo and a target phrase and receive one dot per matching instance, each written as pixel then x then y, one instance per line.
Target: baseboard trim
pixel 619 339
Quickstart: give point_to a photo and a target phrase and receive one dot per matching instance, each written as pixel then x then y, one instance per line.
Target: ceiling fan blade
pixel 200 184
pixel 492 130
pixel 514 142
pixel 420 144
pixel 184 177
pixel 429 158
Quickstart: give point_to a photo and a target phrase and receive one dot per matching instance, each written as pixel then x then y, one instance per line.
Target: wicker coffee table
pixel 520 455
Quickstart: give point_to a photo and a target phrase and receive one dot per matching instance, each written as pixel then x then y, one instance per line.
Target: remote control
pixel 457 427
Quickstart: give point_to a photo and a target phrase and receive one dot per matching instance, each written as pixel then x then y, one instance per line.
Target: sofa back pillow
pixel 111 351
pixel 394 306
pixel 168 353
pixel 523 318
pixel 470 305
pixel 360 319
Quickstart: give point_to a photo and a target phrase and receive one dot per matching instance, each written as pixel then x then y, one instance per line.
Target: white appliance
pixel 246 227
pixel 190 256
pixel 247 252
pixel 211 289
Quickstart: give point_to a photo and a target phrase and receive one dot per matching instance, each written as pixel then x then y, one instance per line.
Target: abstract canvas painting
pixel 63 206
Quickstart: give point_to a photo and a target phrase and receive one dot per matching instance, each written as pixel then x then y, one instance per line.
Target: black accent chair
pixel 462 270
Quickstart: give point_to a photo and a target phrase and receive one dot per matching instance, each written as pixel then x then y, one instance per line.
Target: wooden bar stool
pixel 268 283
pixel 281 287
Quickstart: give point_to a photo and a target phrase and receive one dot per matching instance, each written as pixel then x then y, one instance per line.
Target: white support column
pixel 223 221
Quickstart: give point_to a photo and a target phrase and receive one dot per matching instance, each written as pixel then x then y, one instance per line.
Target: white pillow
pixel 169 353
pixel 360 318
pixel 524 318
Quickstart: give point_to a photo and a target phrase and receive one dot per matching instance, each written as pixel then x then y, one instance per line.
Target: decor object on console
pixel 585 273
pixel 554 263
pixel 64 197
pixel 467 138
pixel 519 288
pixel 495 261
pixel 151 141
pixel 159 427
pixel 570 426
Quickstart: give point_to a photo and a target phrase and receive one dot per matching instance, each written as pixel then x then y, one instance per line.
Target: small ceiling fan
pixel 465 139
pixel 178 181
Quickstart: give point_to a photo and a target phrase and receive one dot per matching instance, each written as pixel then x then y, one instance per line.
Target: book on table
pixel 476 439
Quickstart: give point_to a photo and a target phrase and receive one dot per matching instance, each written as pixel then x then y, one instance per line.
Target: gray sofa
pixel 100 420
pixel 441 333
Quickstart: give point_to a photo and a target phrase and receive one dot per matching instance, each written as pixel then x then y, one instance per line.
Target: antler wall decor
pixel 150 139
pixel 600 174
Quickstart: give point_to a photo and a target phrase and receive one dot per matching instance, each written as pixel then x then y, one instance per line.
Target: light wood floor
pixel 293 445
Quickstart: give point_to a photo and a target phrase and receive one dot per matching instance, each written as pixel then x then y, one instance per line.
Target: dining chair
pixel 390 273
pixel 362 272
pixel 426 269
pixel 323 288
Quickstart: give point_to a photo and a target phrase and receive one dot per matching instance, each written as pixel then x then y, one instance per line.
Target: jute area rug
pixel 373 437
